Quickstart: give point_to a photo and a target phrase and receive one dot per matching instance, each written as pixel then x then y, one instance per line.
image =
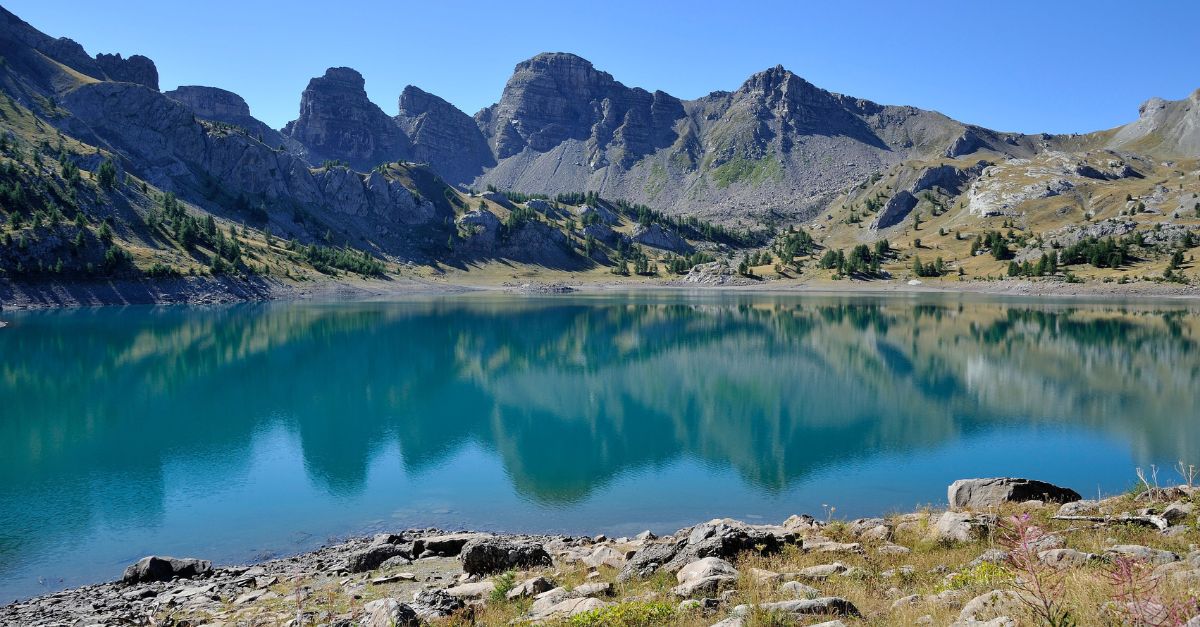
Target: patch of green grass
pixel 752 171
pixel 633 614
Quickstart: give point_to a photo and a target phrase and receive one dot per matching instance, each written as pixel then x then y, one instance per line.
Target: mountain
pixel 103 176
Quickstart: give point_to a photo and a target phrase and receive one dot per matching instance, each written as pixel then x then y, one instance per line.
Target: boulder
pixel 799 590
pixel 484 556
pixel 707 567
pixel 431 604
pixel 987 493
pixel 1066 557
pixel 375 555
pixel 1178 512
pixel 962 527
pixel 447 545
pixel 155 568
pixel 723 538
pixel 991 605
pixel 472 590
pixel 1140 553
pixel 567 608
pixel 389 613
pixel 530 587
pixel 598 214
pixel 822 572
pixel 707 587
pixel 605 555
pixel 804 607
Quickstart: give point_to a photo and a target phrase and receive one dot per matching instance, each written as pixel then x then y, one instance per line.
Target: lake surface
pixel 244 432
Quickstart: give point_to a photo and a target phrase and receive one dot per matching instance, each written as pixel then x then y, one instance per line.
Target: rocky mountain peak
pixel 338 121
pixel 136 69
pixel 443 136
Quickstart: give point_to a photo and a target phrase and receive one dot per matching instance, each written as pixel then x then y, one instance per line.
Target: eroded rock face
pixel 339 122
pixel 985 493
pixel 136 69
pixel 655 236
pixel 443 136
pixel 555 97
pixel 211 103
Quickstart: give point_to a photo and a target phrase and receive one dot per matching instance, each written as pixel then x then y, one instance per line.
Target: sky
pixel 1012 65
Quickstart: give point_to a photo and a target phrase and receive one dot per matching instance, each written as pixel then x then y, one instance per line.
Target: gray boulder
pixel 963 527
pixel 431 604
pixel 389 613
pixel 723 538
pixel 155 568
pixel 484 556
pixel 986 493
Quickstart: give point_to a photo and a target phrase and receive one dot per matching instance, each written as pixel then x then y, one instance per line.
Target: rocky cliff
pixel 338 122
pixel 219 105
pixel 443 136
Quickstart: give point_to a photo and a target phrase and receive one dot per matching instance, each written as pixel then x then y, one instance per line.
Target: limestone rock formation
pixel 338 122
pixel 219 105
pixel 136 69
pixel 443 136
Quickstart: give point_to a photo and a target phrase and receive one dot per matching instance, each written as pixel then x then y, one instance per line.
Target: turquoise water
pixel 249 431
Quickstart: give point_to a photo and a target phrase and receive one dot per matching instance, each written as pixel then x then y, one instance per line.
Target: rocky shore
pixel 1005 552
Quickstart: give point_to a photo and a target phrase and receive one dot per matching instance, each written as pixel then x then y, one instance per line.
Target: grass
pixel 742 170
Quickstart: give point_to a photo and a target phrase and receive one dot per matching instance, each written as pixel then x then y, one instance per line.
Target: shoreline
pixel 725 569
pixel 23 296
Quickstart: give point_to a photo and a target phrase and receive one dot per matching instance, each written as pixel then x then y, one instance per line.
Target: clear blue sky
pixel 1014 65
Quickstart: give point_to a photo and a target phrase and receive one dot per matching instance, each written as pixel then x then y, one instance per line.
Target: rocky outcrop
pixel 723 538
pixel 988 493
pixel 155 568
pixel 1168 127
pixel 443 136
pixel 486 556
pixel 556 97
pixel 219 105
pixel 339 122
pixel 655 236
pixel 136 69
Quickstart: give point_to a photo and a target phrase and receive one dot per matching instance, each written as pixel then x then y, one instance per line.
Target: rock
pixel 833 547
pixel 804 607
pixel 802 522
pixel 711 273
pixel 721 538
pixel 600 588
pixel 1077 508
pixel 338 121
pixel 707 567
pixel 448 545
pixel 645 536
pixel 375 555
pixel 431 604
pixel 378 581
pixel 530 587
pixel 483 556
pixel 443 136
pixel 764 576
pixel 893 549
pixel 655 236
pixel 219 105
pixel 1066 557
pixel 822 572
pixel 991 605
pixel 569 607
pixel 1141 554
pixel 389 613
pixel 799 590
pixel 136 69
pixel 704 586
pixel 988 493
pixel 605 555
pixel 476 590
pixel 910 600
pixel 963 527
pixel 1178 511
pixel 155 568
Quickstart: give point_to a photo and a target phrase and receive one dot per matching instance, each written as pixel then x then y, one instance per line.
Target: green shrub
pixel 634 614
